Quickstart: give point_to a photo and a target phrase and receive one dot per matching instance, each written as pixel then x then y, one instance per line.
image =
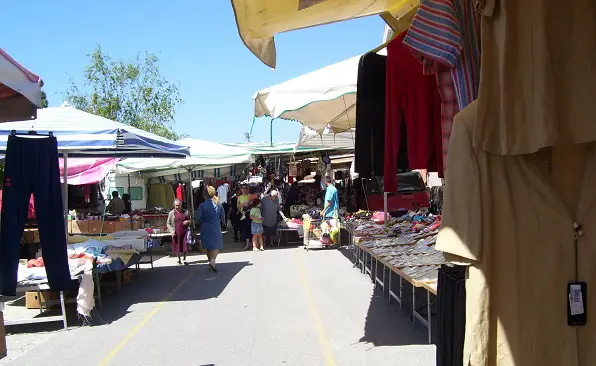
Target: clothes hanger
pixel 31 133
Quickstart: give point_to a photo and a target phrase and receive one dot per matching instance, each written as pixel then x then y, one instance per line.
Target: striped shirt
pixel 448 31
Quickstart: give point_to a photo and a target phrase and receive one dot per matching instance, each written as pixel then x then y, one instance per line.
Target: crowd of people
pixel 254 218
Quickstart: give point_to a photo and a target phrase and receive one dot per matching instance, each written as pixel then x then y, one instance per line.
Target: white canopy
pixel 20 90
pixel 321 99
pixel 327 140
pixel 203 155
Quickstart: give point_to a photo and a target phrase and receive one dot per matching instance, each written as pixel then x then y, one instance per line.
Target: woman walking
pixel 178 226
pixel 210 216
pixel 257 225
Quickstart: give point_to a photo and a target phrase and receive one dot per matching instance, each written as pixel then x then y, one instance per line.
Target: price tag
pixel 576 302
pixel 576 308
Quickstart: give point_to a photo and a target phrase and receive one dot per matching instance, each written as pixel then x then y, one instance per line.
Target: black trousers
pixel 226 207
pixel 31 167
pixel 451 315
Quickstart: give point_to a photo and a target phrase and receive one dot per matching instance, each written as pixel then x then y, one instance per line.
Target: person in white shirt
pixel 222 194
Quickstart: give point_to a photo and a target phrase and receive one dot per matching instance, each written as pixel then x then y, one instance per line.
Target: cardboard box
pixel 139 224
pixel 121 226
pixel 78 226
pixel 109 227
pixel 31 236
pixel 94 226
pixel 32 301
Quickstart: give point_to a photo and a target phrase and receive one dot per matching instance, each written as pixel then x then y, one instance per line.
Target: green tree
pixel 44 100
pixel 132 92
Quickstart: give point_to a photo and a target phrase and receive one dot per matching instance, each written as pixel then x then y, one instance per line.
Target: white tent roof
pixel 203 155
pixel 327 140
pixel 320 99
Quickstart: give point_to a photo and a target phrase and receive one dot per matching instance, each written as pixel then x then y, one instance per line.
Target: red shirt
pixel 411 98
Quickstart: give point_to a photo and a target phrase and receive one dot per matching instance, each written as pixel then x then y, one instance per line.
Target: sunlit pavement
pixel 279 307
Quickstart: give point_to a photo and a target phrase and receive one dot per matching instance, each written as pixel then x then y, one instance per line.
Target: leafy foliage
pixel 44 100
pixel 132 92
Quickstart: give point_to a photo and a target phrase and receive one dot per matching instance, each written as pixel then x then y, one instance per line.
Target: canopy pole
pixel 65 189
pixel 252 125
pixel 192 203
pixel 130 198
pixel 271 131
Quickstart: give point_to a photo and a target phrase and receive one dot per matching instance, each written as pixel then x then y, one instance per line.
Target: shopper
pixel 270 207
pixel 244 219
pixel 222 194
pixel 331 203
pixel 177 223
pixel 127 204
pixel 116 205
pixel 233 214
pixel 256 225
pixel 210 216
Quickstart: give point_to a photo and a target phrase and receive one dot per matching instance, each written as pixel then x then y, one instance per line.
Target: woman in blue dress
pixel 210 215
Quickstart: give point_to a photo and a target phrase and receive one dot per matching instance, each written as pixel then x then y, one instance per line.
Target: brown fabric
pixel 538 79
pixel 503 216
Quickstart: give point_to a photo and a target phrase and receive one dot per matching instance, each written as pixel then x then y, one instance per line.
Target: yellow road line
pixel 145 320
pixel 325 344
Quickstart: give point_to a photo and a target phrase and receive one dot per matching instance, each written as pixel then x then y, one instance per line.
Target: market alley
pixel 282 306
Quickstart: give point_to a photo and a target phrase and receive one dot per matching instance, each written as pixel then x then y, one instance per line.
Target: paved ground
pixel 278 307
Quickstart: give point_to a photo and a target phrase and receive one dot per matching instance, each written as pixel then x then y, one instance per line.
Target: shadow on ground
pixel 388 324
pixel 160 284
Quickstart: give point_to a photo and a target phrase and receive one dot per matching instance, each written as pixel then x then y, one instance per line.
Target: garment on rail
pixel 505 218
pixel 31 167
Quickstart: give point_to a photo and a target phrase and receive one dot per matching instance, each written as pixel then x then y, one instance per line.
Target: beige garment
pixel 503 217
pixel 538 75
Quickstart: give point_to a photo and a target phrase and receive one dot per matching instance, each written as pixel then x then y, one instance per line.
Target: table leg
pixel 400 292
pixel 413 305
pixel 39 301
pixel 64 321
pixel 390 290
pixel 97 287
pixel 428 312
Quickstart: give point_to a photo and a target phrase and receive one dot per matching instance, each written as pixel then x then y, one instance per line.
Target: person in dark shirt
pixel 234 215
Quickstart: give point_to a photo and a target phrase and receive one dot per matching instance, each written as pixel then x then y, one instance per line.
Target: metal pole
pixel 385 209
pixel 130 198
pixel 65 188
pixel 192 204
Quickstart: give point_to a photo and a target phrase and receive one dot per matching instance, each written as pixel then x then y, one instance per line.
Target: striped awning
pixel 83 134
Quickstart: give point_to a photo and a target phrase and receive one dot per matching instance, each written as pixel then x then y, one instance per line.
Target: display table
pixel 40 286
pixel 418 268
pixel 285 230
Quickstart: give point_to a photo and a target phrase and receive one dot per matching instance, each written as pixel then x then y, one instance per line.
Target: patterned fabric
pixel 448 31
pixel 449 105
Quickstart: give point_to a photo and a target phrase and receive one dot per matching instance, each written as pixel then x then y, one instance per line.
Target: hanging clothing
pixel 413 100
pixel 538 81
pixel 451 315
pixel 448 32
pixel 180 192
pixel 449 106
pixel 370 116
pixel 503 218
pixel 31 166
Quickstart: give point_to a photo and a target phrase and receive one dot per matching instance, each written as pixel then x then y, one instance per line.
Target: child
pixel 256 225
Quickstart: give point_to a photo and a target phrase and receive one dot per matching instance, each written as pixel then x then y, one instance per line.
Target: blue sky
pixel 198 46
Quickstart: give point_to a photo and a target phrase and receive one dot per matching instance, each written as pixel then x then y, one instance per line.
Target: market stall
pixel 80 134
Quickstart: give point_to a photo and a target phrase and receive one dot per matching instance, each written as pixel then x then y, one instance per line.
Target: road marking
pixel 144 321
pixel 325 344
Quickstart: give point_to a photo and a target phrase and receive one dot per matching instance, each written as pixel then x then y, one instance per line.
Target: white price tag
pixel 576 301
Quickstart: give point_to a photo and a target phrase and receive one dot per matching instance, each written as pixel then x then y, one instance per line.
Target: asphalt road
pixel 278 307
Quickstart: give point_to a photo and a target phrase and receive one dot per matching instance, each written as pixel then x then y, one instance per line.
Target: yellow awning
pixel 259 21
